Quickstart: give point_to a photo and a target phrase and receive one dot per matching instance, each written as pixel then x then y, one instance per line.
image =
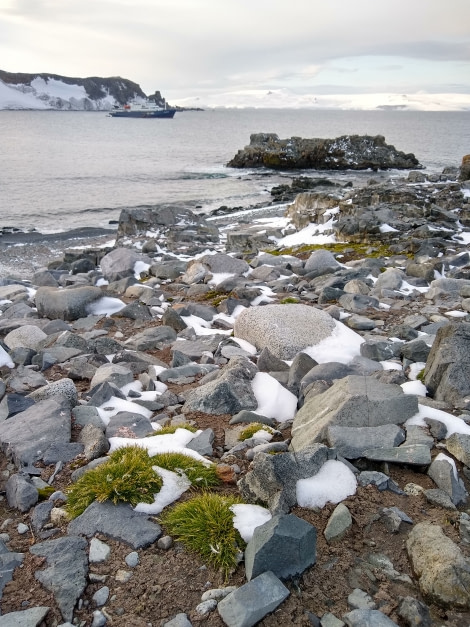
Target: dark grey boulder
pixel 135 311
pixel 284 545
pixel 112 373
pixel 229 393
pixel 247 605
pixel 441 472
pixel 13 404
pixel 66 571
pixel 118 522
pixel 267 362
pixel 25 618
pixel 352 442
pixel 414 612
pixel 41 515
pixel 173 319
pixel 21 492
pixel 95 443
pixel 66 304
pixel 152 338
pixel 248 417
pixel 138 424
pixel 194 349
pixel 202 443
pixel 272 479
pixel 358 303
pixel 62 452
pixel 301 364
pixel 62 390
pixel 367 618
pixel 28 435
pixel 351 402
pixel 447 372
pixel 120 263
pixel 410 454
pixel 188 370
pixel 379 349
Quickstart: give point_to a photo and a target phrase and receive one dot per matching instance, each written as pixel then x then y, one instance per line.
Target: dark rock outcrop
pixel 348 152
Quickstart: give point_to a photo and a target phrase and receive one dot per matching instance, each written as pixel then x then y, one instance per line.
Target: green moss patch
pixel 205 525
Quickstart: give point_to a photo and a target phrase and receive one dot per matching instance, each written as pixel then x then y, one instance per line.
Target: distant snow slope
pixel 50 94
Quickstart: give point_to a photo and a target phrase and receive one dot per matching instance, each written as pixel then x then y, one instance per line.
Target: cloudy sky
pixel 228 50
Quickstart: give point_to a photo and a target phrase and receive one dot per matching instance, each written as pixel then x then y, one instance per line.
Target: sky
pixel 235 51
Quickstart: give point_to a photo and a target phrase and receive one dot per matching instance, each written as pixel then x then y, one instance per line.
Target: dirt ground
pixel 166 582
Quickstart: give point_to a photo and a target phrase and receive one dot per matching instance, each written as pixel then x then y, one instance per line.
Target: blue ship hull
pixel 164 113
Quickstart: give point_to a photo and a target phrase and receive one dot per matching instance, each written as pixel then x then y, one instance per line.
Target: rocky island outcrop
pixel 347 362
pixel 348 152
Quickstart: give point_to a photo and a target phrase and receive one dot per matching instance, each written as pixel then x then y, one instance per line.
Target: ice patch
pixel 453 424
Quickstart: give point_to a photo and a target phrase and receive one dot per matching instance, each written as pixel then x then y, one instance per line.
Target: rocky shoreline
pixel 351 355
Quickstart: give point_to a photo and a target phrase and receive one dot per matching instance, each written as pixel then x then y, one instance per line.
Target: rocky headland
pixel 351 357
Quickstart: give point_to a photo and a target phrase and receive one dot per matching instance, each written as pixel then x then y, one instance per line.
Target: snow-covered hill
pixel 50 91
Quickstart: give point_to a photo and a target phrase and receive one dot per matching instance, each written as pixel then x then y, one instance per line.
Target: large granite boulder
pixel 348 152
pixel 354 401
pixel 284 329
pixel 447 372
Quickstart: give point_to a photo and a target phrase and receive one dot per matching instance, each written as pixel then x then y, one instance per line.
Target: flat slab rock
pixel 118 522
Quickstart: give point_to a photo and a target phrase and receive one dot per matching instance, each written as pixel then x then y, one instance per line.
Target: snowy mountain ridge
pixel 52 91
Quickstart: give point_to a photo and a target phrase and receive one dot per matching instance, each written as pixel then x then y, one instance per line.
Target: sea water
pixel 63 170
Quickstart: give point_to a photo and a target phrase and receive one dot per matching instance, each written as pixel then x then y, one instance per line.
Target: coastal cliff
pixel 53 91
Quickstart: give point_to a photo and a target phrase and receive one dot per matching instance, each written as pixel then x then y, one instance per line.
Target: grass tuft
pixel 127 477
pixel 172 428
pixel 200 475
pixel 205 525
pixel 252 429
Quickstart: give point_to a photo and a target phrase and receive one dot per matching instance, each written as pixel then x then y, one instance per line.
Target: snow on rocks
pixel 357 363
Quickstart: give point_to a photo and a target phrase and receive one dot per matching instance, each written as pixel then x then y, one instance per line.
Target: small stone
pixel 123 576
pixel 132 559
pixel 99 551
pixel 206 607
pixel 358 599
pixel 101 596
pixel 165 543
pixel 330 620
pixel 59 516
pixel 99 619
pixel 22 528
pixel 217 593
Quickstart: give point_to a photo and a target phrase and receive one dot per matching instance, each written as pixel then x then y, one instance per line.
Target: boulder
pixel 348 152
pixel 25 618
pixel 247 605
pixel 229 393
pixel 351 402
pixel 118 522
pixel 167 224
pixel 66 304
pixel 442 570
pixel 284 545
pixel 26 336
pixel 272 479
pixel 447 371
pixel 352 442
pixel 120 263
pixel 28 435
pixel 66 571
pixel 284 329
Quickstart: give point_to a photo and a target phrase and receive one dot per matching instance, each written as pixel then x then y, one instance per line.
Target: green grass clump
pixel 172 428
pixel 290 300
pixel 420 375
pixel 205 525
pixel 45 493
pixel 252 429
pixel 127 477
pixel 200 475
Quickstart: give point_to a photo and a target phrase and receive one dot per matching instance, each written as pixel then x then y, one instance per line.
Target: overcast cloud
pixel 228 49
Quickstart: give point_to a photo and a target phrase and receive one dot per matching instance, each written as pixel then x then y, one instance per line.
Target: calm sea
pixel 62 170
